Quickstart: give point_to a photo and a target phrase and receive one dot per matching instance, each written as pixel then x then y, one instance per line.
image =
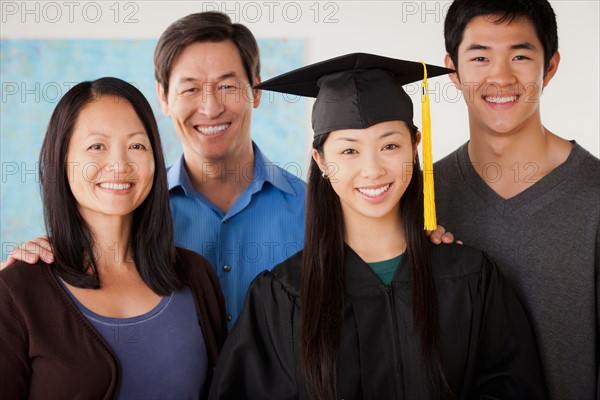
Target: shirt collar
pixel 264 171
pixel 267 171
pixel 177 176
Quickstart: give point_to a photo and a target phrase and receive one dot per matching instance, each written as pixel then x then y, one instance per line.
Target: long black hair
pixel 152 244
pixel 323 288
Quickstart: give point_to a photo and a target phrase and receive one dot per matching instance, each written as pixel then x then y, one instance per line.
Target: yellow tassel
pixel 428 189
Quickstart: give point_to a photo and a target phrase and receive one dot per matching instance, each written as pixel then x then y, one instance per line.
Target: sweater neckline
pixel 157 309
pixel 506 206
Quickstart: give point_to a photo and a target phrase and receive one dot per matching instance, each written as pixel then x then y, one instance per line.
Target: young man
pixel 520 192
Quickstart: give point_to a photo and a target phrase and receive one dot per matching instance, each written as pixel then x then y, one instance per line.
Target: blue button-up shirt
pixel 262 228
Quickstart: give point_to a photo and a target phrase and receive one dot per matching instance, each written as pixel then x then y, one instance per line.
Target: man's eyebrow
pixel 518 46
pixel 226 75
pixel 185 79
pixel 477 46
pixel 523 46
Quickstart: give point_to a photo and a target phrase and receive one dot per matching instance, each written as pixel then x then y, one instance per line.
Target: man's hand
pixel 30 252
pixel 441 236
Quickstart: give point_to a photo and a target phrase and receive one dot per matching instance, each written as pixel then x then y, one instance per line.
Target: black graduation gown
pixel 487 342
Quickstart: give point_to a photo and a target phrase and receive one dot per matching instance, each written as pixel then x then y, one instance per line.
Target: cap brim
pixel 303 81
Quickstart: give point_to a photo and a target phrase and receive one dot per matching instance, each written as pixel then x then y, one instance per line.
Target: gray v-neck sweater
pixel 547 241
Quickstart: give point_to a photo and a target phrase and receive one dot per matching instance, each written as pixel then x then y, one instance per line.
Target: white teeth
pixel 374 192
pixel 115 186
pixel 212 130
pixel 501 100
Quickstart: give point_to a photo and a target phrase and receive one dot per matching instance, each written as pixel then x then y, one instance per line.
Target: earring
pixel 324 175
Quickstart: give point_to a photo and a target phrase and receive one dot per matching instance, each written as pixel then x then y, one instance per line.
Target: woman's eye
pixel 96 147
pixel 137 146
pixel 349 151
pixel 390 146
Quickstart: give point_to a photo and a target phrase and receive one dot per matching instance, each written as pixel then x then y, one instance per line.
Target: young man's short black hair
pixel 539 12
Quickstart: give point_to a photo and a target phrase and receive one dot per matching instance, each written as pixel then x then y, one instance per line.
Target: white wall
pixel 403 29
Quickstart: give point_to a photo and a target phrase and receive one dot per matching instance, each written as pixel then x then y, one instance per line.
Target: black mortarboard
pixel 354 91
pixel 359 90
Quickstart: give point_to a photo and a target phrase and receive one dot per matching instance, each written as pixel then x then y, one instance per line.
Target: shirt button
pixel 226 221
pixel 229 317
pixel 227 268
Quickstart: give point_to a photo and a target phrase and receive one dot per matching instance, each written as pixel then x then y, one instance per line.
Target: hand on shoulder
pixel 30 252
pixel 439 235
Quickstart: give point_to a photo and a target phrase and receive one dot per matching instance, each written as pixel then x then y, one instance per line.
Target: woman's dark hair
pixel 152 244
pixel 323 288
pixel 209 26
pixel 539 12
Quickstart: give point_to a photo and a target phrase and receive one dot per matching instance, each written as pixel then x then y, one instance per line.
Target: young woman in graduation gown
pixel 330 322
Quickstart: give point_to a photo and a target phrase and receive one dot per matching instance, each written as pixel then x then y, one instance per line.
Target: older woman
pixel 122 312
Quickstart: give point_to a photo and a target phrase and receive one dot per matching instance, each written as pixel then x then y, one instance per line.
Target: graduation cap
pixel 354 91
pixel 358 90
